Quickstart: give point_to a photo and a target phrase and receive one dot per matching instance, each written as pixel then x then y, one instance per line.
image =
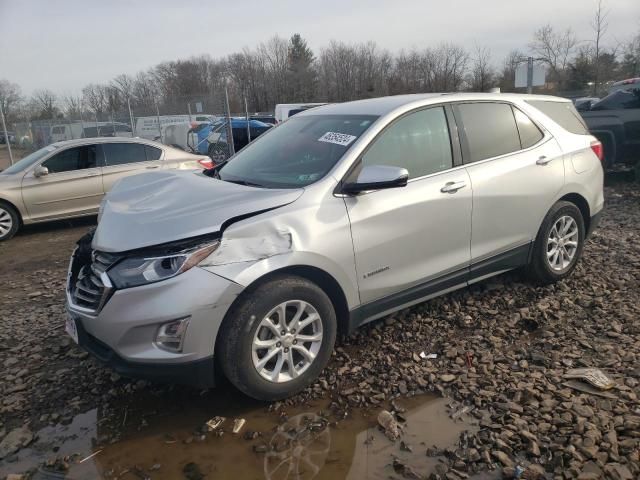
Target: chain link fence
pixel 190 123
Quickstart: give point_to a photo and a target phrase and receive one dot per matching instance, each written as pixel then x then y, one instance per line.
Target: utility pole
pixel 133 129
pixel 6 134
pixel 158 118
pixel 530 75
pixel 231 150
pixel 246 112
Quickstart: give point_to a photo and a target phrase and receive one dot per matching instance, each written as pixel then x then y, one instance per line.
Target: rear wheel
pixel 278 339
pixel 9 221
pixel 559 244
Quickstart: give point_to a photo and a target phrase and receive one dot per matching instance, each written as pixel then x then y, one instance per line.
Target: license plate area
pixel 71 328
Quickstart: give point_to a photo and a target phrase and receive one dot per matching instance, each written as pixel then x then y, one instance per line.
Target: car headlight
pixel 140 270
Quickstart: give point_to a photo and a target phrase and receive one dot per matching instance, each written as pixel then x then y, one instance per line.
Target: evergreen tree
pixel 302 74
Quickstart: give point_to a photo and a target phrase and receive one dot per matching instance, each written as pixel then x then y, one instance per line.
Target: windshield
pixel 30 159
pixel 296 153
pixel 620 99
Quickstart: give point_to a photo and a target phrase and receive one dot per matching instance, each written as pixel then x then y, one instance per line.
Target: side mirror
pixel 40 171
pixel 377 177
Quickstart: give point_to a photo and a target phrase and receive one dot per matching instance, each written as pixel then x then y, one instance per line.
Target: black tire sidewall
pixel 237 337
pixel 15 221
pixel 559 210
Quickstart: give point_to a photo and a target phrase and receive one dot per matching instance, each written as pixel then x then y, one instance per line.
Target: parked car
pixel 10 136
pixel 286 110
pixel 68 179
pixel 212 138
pixel 615 121
pixel 585 103
pixel 340 215
pixel 628 84
pixel 60 133
pixel 76 130
pixel 115 130
pixel 264 118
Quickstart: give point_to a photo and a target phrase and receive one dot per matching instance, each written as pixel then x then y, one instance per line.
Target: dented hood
pixel 160 207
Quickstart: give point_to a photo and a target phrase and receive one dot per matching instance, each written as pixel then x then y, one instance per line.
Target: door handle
pixel 152 166
pixel 543 160
pixel 452 187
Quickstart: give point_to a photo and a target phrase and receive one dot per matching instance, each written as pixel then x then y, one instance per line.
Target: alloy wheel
pixel 6 222
pixel 562 243
pixel 287 341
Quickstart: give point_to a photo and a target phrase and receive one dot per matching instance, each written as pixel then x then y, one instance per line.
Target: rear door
pixel 72 187
pixel 516 171
pixel 412 237
pixel 126 158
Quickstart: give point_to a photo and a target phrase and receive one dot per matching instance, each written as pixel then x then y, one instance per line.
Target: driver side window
pixel 78 158
pixel 419 142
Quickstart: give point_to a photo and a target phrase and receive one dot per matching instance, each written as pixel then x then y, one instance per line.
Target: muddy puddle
pixel 166 437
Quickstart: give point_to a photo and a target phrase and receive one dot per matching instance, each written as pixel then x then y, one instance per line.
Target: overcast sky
pixel 65 44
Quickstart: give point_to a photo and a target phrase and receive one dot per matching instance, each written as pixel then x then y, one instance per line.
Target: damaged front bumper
pixel 122 327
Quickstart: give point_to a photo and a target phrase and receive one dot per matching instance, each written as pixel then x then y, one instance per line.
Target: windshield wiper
pixel 245 182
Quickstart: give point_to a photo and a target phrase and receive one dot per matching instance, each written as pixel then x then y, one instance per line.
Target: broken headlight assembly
pixel 140 270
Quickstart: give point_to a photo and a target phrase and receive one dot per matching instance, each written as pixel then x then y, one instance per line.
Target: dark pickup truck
pixel 615 121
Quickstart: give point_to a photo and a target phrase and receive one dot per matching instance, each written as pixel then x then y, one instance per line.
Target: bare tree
pixel 10 99
pixel 95 97
pixel 599 25
pixel 125 85
pixel 72 105
pixel 555 49
pixel 482 75
pixel 45 103
pixel 145 91
pixel 630 62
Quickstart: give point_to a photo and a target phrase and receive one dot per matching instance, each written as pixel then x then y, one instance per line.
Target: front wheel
pixel 278 338
pixel 9 221
pixel 559 244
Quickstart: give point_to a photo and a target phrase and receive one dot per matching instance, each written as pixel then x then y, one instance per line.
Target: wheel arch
pixel 321 278
pixel 17 210
pixel 582 204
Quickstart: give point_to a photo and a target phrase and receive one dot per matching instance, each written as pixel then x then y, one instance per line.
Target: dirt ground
pixel 494 400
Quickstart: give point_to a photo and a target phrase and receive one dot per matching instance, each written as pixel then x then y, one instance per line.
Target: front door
pixel 73 185
pixel 413 237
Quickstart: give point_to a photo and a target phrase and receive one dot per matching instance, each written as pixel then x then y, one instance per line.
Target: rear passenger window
pixel 153 153
pixel 563 113
pixel 122 153
pixel 530 134
pixel 418 142
pixel 490 130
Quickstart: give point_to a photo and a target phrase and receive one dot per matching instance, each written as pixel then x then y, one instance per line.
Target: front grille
pixel 89 289
pixel 89 286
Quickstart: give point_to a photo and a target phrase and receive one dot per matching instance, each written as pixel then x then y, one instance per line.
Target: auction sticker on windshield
pixel 71 328
pixel 337 138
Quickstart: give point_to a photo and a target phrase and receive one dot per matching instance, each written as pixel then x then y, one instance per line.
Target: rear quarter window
pixel 563 113
pixel 530 134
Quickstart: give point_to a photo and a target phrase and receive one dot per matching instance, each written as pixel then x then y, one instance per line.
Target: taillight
pixel 206 163
pixel 596 146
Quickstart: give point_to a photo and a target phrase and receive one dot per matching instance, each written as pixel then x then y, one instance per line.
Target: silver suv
pixel 340 215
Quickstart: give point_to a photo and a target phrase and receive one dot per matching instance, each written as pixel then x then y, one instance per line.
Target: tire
pixel 217 154
pixel 243 326
pixel 9 221
pixel 545 266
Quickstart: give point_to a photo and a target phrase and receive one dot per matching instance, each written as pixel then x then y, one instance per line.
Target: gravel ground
pixel 503 347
